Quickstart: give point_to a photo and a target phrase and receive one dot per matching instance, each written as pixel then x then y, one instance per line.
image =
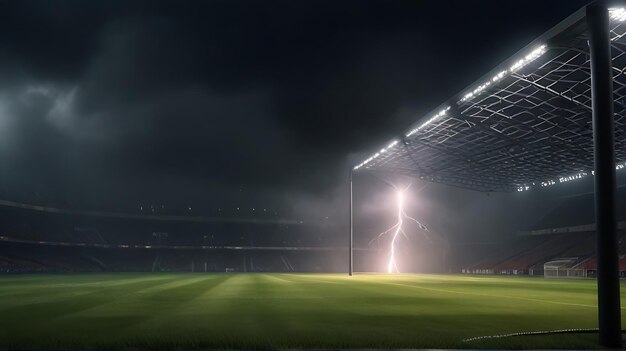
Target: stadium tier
pixel 528 254
pixel 565 234
pixel 47 241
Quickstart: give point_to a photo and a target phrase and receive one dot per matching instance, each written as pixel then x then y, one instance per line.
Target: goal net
pixel 564 268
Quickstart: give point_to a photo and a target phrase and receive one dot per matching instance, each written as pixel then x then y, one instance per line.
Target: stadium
pixel 493 219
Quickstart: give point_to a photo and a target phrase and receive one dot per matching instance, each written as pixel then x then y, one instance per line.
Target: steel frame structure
pixel 530 126
pixel 552 113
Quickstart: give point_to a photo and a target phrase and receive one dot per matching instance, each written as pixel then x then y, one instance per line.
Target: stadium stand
pixel 565 234
pixel 48 241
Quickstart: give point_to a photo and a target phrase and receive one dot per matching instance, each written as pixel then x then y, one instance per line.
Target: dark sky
pixel 230 103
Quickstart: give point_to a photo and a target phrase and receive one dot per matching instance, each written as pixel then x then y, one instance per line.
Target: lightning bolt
pixel 397 229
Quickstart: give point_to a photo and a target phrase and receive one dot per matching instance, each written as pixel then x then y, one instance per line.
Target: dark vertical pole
pixel 350 241
pixel 609 318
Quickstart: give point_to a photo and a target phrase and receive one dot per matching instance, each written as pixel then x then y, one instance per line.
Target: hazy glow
pixel 397 229
pixel 617 14
pixel 392 266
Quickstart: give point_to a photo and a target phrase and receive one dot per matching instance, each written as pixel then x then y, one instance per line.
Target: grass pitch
pixel 261 311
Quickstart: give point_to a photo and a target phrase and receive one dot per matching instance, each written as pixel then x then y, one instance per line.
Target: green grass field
pixel 191 311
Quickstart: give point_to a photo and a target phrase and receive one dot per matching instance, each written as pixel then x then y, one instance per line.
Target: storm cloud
pixel 219 103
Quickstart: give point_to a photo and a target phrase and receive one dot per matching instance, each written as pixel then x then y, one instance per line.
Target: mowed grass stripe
pixel 388 316
pixel 508 297
pixel 501 298
pixel 171 312
pixel 166 310
pixel 120 317
pixel 56 288
pixel 537 289
pixel 336 307
pixel 46 317
pixel 49 301
pixel 155 298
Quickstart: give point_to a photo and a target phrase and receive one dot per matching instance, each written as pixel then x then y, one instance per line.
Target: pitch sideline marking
pixel 475 294
pixel 469 293
pixel 542 332
pixel 488 295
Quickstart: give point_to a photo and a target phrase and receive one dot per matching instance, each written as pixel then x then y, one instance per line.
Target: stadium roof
pixel 526 123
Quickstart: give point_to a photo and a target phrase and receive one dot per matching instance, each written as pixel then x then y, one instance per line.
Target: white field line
pixel 470 293
pixel 489 295
pixel 542 332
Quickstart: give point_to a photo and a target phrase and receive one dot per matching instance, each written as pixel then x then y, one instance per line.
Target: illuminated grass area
pixel 191 311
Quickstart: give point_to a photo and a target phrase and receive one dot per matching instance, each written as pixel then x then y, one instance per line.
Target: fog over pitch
pixel 210 104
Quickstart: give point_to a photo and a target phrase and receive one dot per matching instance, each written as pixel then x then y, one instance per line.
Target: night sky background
pixel 214 105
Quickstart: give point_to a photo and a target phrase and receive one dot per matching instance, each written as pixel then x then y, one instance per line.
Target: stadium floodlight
pixel 429 121
pixel 382 151
pixel 617 14
pixel 565 179
pixel 533 55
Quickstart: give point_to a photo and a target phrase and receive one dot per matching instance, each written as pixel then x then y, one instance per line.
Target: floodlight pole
pixel 609 313
pixel 351 239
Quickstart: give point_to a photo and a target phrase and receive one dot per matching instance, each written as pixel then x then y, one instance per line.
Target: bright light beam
pixel 397 228
pixel 392 267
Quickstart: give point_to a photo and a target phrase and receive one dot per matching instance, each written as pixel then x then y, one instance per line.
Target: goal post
pixel 564 268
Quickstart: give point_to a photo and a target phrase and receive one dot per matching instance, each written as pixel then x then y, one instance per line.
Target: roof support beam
pixel 609 313
pixel 552 91
pixel 351 234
